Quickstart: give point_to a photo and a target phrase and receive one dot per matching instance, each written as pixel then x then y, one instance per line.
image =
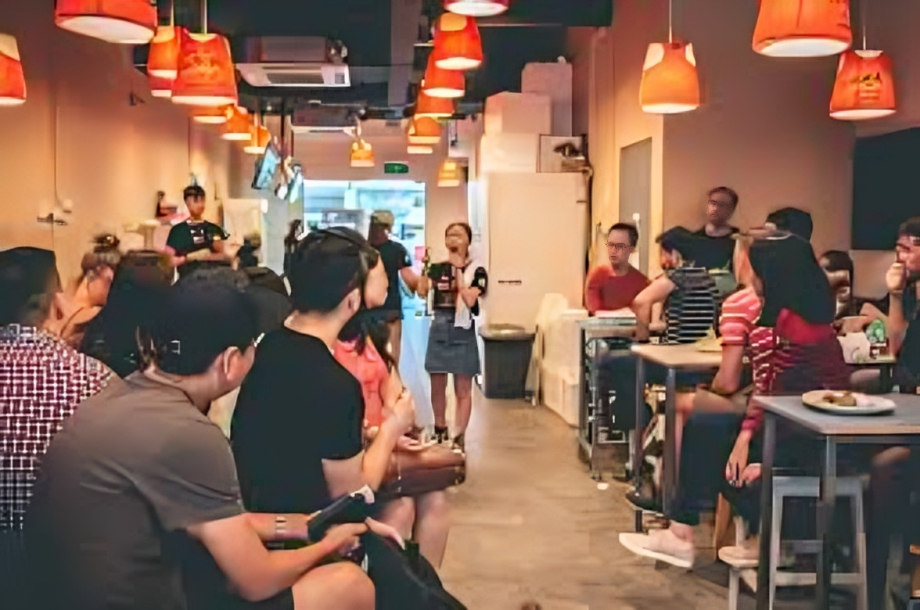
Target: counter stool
pixel 803 487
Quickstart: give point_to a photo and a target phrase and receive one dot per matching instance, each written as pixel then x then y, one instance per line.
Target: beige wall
pixel 763 129
pixel 79 139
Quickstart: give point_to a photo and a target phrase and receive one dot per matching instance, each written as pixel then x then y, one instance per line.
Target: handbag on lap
pixel 411 474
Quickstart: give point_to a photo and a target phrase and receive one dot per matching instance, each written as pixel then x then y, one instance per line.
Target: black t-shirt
pixel 190 236
pixel 297 407
pixel 395 259
pixel 714 252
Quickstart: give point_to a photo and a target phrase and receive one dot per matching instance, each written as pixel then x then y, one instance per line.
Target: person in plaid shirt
pixel 42 380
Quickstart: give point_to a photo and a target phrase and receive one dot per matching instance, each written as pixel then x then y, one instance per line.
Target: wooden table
pixel 899 428
pixel 673 358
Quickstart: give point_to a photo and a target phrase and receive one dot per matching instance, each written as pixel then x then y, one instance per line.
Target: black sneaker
pixel 644 498
pixel 460 442
pixel 441 435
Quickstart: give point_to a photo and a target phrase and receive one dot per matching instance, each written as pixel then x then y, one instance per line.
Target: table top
pixel 595 323
pixel 684 357
pixel 904 421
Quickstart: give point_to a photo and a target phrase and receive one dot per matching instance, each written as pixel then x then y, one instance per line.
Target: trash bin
pixel 507 358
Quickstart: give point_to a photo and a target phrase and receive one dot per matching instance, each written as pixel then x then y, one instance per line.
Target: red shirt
pixel 371 370
pixel 605 291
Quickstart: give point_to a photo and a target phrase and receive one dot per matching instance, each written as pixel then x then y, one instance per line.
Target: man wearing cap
pixel 42 380
pixel 398 264
pixel 196 242
pixel 138 503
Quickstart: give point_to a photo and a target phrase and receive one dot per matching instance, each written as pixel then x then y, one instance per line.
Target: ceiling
pixel 380 36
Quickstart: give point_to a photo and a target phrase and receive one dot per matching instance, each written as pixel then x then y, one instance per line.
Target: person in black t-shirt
pixel 717 247
pixel 297 431
pixel 196 242
pixel 398 264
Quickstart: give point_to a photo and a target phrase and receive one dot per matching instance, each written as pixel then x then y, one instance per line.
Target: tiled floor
pixel 531 525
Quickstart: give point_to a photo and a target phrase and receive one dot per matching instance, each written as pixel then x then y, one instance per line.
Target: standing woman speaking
pixel 456 286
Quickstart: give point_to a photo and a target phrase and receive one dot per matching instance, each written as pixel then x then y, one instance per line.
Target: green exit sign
pixel 393 167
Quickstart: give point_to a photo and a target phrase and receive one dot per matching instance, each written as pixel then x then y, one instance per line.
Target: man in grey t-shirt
pixel 141 487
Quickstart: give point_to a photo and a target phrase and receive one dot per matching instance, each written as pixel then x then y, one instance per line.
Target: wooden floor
pixel 531 525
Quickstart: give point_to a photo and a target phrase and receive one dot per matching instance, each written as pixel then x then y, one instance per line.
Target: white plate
pixel 866 404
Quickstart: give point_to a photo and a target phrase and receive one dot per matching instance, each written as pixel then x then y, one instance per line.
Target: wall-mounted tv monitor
pixel 266 166
pixel 295 186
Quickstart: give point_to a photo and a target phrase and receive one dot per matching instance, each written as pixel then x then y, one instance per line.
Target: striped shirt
pixel 692 307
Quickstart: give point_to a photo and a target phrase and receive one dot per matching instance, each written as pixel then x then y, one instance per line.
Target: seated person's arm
pixel 656 292
pixel 896 324
pixel 256 574
pixel 593 300
pixel 728 378
pixel 266 526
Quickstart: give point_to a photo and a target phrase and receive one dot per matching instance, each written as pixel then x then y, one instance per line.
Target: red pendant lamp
pixel 424 131
pixel 477 8
pixel 12 79
pixel 163 56
pixel 206 75
pixel 238 126
pixel 457 43
pixel 802 28
pixel 160 87
pixel 433 107
pixel 117 21
pixel 217 115
pixel 443 83
pixel 259 137
pixel 864 88
pixel 449 174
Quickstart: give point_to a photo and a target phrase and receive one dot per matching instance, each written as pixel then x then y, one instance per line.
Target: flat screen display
pixel 266 166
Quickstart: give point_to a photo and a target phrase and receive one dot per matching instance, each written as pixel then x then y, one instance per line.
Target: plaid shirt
pixel 42 380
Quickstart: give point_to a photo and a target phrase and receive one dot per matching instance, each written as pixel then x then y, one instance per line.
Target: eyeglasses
pixel 720 204
pixel 618 247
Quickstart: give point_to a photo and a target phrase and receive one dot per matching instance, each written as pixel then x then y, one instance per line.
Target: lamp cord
pixel 863 13
pixel 670 21
pixel 204 16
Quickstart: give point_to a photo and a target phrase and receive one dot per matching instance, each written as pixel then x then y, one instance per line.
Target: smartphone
pixel 353 508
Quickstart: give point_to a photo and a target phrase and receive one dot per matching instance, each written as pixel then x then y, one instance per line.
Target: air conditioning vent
pixel 293 62
pixel 322 119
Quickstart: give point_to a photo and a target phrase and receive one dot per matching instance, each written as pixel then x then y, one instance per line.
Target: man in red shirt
pixel 614 286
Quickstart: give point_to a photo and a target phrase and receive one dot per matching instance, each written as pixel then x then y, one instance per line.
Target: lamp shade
pixel 476 8
pixel 163 55
pixel 433 107
pixel 669 79
pixel 12 79
pixel 212 115
pixel 802 28
pixel 238 126
pixel 118 21
pixel 424 131
pixel 259 137
pixel 206 76
pixel 443 83
pixel 160 87
pixel 449 174
pixel 362 154
pixel 864 88
pixel 457 43
pixel 419 149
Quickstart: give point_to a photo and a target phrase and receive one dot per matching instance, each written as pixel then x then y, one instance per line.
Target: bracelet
pixel 281 526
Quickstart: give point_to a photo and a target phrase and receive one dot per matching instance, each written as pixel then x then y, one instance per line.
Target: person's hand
pixel 737 462
pixel 403 411
pixel 854 324
pixel 411 445
pixel 456 260
pixel 751 473
pixel 343 539
pixel 896 279
pixel 386 531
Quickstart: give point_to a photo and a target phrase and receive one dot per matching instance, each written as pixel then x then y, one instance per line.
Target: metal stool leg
pixel 859 529
pixel 776 538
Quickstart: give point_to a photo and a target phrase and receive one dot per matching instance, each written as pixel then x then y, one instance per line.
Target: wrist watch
pixel 281 526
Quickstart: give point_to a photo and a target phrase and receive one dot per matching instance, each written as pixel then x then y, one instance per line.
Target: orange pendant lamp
pixel 443 83
pixel 362 154
pixel 238 126
pixel 259 137
pixel 206 75
pixel 116 21
pixel 433 107
pixel 217 115
pixel 670 84
pixel 160 87
pixel 457 43
pixel 163 56
pixel 419 149
pixel 424 131
pixel 12 78
pixel 802 28
pixel 864 88
pixel 449 174
pixel 477 8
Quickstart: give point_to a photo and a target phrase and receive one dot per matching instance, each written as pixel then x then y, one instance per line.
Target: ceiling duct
pixel 292 61
pixel 323 119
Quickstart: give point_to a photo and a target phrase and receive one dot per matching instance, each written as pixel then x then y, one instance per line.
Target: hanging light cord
pixel 172 13
pixel 204 16
pixel 863 12
pixel 670 21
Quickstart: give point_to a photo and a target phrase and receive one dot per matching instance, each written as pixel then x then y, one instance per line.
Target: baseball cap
pixel 25 274
pixel 911 228
pixel 197 322
pixel 383 217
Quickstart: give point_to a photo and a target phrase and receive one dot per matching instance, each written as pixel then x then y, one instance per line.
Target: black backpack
pixel 404 580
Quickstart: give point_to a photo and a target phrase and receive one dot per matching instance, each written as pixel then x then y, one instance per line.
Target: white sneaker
pixel 740 557
pixel 661 545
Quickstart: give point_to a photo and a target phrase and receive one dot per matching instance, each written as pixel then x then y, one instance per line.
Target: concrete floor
pixel 531 526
